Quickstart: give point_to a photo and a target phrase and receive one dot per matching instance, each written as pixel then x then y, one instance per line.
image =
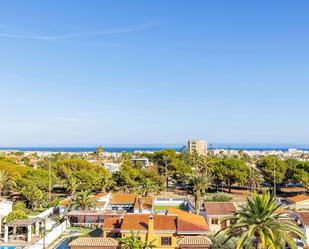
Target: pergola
pixel 36 222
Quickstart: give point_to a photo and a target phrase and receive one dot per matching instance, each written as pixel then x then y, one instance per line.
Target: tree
pixel 73 185
pixel 98 151
pixel 33 194
pixel 5 180
pixel 230 171
pixel 19 205
pixel 219 242
pixel 148 186
pixel 258 221
pixel 16 215
pixel 83 201
pixel 254 179
pixel 201 182
pixel 134 242
pixel 270 165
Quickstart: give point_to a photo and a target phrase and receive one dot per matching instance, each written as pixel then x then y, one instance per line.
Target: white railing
pixel 50 237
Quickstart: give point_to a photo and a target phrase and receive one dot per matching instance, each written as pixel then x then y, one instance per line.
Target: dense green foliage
pixel 258 221
pixel 16 215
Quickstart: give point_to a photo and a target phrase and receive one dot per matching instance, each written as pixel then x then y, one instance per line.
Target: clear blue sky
pixel 76 73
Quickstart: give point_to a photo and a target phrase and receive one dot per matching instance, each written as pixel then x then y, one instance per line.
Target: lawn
pixel 85 231
pixel 163 208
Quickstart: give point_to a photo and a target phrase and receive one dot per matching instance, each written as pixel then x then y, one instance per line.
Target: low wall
pixel 50 237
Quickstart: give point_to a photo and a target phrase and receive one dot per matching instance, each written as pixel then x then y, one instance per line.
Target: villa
pixel 299 202
pixel 214 211
pixel 175 229
pixel 131 203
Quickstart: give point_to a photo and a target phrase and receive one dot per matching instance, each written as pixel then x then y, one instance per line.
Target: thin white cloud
pixel 18 34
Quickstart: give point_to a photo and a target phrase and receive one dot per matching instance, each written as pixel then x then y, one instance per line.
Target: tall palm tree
pixel 258 221
pixel 134 242
pixel 83 201
pixel 254 179
pixel 5 181
pixel 201 177
pixel 201 182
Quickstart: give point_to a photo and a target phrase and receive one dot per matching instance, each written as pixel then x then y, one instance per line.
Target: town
pixel 196 198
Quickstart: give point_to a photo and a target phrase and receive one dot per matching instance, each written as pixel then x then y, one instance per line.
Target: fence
pixel 50 237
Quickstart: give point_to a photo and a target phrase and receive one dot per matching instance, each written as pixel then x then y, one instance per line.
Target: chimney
pixel 150 228
pixel 141 202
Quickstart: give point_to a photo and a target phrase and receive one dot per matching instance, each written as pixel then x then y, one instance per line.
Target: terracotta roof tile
pixel 112 223
pixel 140 222
pixel 194 240
pixel 123 199
pixel 100 195
pixel 298 198
pixel 186 216
pixel 93 242
pixel 219 208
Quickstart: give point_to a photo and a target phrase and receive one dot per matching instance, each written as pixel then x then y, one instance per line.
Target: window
pixel 214 221
pixel 166 241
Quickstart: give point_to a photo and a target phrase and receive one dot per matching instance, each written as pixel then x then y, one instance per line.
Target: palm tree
pixel 201 182
pixel 5 181
pixel 73 185
pixel 148 186
pixel 201 178
pixel 134 242
pixel 83 201
pixel 254 179
pixel 258 221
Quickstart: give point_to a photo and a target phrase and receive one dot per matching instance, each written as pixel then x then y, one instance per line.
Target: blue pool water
pixel 10 247
pixel 63 244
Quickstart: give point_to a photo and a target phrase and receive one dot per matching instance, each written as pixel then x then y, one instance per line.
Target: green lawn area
pixel 163 208
pixel 85 231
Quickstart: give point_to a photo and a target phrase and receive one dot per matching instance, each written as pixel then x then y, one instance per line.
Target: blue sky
pixel 82 73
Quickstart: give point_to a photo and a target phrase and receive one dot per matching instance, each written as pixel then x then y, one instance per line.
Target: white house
pixel 5 207
pixel 299 202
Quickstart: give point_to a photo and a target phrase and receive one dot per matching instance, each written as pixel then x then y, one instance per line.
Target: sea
pixel 151 148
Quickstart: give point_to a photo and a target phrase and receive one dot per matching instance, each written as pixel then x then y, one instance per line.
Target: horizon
pixel 154 72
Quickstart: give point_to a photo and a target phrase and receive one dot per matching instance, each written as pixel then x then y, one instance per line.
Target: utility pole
pixel 49 182
pixel 275 178
pixel 166 179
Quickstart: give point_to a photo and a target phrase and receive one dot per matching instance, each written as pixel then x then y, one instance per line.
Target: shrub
pixel 220 197
pixel 16 215
pixel 19 205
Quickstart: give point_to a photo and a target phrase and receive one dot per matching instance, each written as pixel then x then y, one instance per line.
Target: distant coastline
pixel 147 148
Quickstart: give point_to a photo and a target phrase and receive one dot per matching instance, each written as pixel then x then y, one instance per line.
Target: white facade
pixel 5 207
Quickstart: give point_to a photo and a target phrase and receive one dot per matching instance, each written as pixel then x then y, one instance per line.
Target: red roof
pixel 298 198
pixel 219 208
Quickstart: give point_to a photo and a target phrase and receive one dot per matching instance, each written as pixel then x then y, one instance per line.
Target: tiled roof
pixel 123 199
pixel 298 198
pixel 100 195
pixel 147 202
pixel 93 242
pixel 185 226
pixel 186 216
pixel 219 208
pixel 140 222
pixel 194 240
pixel 112 223
pixel 304 216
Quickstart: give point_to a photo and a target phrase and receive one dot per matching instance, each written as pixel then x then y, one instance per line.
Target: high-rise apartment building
pixel 197 146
